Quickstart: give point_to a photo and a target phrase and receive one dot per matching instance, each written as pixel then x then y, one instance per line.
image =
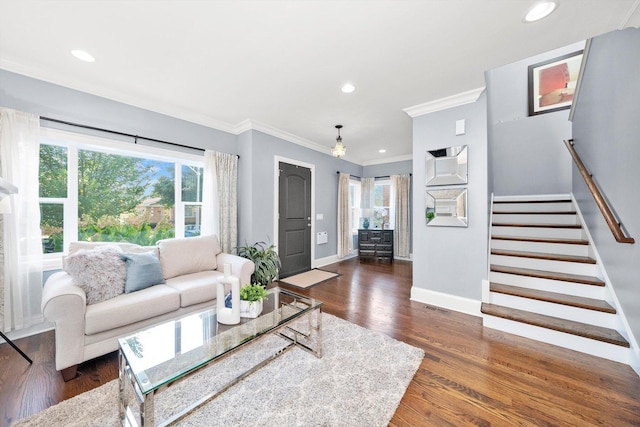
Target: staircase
pixel 544 281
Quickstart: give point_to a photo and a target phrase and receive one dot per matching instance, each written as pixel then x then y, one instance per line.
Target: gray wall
pixel 256 150
pixel 264 149
pixel 49 100
pixel 388 169
pixel 606 132
pixel 526 154
pixel 452 260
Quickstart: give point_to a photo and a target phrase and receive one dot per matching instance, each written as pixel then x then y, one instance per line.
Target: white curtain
pixel 367 192
pixel 220 198
pixel 22 239
pixel 400 186
pixel 209 221
pixel 366 203
pixel 345 241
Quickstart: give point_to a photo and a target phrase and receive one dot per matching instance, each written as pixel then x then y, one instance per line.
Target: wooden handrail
pixel 600 201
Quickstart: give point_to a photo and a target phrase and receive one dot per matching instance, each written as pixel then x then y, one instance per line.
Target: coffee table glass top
pixel 163 353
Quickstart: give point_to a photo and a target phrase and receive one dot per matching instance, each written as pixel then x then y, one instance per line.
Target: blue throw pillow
pixel 143 271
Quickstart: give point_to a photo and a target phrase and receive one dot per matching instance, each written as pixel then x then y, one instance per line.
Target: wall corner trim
pixel 451 302
pixel 445 103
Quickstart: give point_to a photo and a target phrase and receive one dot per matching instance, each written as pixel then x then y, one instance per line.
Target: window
pixel 53 196
pixel 382 204
pixel 92 189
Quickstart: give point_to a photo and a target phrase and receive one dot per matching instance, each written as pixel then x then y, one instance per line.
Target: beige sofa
pixel 190 268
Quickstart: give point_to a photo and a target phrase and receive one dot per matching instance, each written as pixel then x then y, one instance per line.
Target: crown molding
pixel 65 81
pixel 179 113
pixel 388 160
pixel 630 14
pixel 444 103
pixel 278 133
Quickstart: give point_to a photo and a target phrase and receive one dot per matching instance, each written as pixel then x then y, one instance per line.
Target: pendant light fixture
pixel 338 149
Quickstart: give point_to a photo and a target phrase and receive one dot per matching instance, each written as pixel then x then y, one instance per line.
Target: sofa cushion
pixel 99 272
pixel 131 308
pixel 143 270
pixel 195 288
pixel 188 255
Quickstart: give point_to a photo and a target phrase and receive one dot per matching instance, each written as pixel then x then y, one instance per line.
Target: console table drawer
pixel 376 244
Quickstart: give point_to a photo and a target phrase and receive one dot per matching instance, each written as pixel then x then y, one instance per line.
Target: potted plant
pixel 266 260
pixel 251 297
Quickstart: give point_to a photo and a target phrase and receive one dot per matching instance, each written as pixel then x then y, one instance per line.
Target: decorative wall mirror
pixel 447 166
pixel 447 208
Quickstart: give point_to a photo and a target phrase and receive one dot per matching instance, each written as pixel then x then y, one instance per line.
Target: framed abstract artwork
pixel 552 83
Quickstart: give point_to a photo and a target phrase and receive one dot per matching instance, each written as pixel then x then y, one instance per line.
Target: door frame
pixel 276 198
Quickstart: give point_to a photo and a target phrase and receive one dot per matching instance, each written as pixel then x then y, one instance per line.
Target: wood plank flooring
pixel 470 376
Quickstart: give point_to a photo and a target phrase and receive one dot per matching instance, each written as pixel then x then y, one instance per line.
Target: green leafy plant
pixel 266 260
pixel 253 292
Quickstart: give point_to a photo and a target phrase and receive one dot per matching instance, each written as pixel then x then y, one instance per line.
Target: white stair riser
pixel 558 286
pixel 561 339
pixel 533 207
pixel 534 219
pixel 557 233
pixel 547 265
pixel 541 247
pixel 576 314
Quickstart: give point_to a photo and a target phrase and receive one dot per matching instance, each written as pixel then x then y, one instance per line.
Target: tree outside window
pixel 119 197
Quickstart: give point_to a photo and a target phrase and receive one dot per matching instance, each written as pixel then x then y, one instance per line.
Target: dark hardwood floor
pixel 470 375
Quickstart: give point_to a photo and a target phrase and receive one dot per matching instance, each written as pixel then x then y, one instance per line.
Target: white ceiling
pixel 280 64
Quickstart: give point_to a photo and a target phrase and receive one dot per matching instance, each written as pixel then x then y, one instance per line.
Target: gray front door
pixel 294 224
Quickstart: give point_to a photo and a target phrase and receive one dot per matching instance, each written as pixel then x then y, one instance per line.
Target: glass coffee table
pixel 154 358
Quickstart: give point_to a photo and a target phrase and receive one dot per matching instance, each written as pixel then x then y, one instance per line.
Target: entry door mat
pixel 359 382
pixel 309 278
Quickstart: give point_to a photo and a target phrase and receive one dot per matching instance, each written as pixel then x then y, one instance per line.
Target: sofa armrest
pixel 65 305
pixel 240 267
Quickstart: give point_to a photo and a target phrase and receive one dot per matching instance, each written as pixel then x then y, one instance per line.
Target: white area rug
pixel 309 278
pixel 359 381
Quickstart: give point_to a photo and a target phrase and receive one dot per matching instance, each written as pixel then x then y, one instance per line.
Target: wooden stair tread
pixel 542 240
pixel 544 256
pixel 553 297
pixel 534 212
pixel 552 275
pixel 531 201
pixel 598 333
pixel 515 224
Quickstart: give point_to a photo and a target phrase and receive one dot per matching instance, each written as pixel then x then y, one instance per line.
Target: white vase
pixel 228 316
pixel 251 309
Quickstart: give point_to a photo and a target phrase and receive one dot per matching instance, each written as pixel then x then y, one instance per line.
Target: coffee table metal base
pixel 308 338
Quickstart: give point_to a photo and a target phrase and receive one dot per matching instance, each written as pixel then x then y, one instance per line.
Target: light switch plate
pixel 460 127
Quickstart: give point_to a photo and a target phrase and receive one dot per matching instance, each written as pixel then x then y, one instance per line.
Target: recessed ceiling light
pixel 540 10
pixel 382 151
pixel 83 55
pixel 348 88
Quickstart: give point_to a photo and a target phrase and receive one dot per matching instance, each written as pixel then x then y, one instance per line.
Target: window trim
pixel 79 141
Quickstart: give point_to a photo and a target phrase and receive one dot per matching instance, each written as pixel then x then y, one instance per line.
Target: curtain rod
pixel 135 137
pixel 375 177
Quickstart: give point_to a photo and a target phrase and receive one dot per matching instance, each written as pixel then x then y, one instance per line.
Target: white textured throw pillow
pixel 188 255
pixel 99 272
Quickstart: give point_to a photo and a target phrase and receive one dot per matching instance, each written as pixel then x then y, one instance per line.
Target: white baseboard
pixel 329 260
pixel 27 332
pixel 448 301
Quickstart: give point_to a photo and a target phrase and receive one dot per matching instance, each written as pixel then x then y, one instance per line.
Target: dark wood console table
pixel 375 243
